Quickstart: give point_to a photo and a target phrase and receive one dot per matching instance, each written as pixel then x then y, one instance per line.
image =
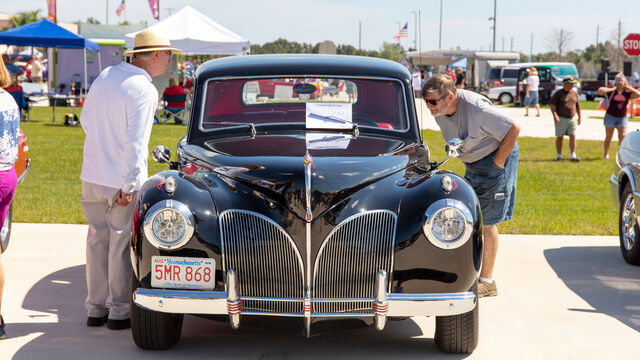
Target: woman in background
pixel 616 115
pixel 9 127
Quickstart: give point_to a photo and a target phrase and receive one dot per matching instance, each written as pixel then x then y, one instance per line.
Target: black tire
pixel 628 227
pixel 5 230
pixel 154 330
pixel 458 334
pixel 505 98
pixel 590 97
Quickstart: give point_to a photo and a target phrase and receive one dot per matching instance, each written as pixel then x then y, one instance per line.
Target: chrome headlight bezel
pixel 460 209
pixel 179 209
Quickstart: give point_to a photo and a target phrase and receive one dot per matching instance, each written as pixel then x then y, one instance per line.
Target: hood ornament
pixel 308 162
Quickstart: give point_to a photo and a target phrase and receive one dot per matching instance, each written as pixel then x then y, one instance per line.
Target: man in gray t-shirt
pixel 490 154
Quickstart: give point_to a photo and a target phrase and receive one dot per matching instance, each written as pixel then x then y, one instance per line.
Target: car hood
pixel 273 165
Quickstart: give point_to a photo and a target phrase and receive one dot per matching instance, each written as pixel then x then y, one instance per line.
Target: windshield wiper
pixel 336 120
pixel 250 126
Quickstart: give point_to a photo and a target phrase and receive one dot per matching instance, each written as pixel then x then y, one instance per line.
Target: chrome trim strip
pixel 26 171
pixel 205 88
pixel 215 302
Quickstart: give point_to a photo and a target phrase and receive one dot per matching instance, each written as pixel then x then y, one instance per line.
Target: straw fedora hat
pixel 148 40
pixel 532 71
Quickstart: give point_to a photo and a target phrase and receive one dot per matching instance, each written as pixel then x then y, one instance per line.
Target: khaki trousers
pixel 108 262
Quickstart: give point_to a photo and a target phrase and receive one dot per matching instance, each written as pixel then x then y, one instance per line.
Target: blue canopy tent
pixel 44 33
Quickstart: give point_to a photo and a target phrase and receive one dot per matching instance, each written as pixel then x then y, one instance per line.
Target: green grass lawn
pixel 584 105
pixel 553 197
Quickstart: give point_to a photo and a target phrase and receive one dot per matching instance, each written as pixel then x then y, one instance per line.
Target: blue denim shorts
pixel 612 121
pixel 532 99
pixel 495 187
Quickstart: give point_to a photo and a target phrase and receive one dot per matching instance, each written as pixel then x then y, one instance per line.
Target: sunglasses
pixel 434 102
pixel 170 54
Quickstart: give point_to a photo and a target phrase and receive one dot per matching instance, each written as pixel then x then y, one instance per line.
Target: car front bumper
pixel 230 303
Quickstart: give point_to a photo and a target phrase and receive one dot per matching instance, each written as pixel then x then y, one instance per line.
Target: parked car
pixel 22 168
pixel 590 87
pixel 502 94
pixel 327 212
pixel 625 183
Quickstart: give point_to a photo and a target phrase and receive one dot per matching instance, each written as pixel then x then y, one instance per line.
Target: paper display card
pixel 327 141
pixel 283 92
pixel 329 116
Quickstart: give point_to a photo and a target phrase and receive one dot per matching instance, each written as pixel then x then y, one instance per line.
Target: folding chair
pixel 177 113
pixel 22 102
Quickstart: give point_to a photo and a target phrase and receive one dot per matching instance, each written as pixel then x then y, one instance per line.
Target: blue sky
pixel 465 23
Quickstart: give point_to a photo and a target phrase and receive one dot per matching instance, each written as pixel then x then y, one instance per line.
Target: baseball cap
pixel 569 79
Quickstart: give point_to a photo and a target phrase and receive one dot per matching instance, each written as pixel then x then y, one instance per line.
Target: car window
pixel 324 101
pixel 494 73
pixel 509 73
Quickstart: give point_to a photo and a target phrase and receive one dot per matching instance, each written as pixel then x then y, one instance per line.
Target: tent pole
pixel 85 70
pixel 99 62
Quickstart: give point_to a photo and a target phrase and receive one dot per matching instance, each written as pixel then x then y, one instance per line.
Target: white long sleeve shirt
pixel 117 117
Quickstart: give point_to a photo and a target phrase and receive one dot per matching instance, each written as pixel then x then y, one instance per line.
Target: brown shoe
pixel 486 290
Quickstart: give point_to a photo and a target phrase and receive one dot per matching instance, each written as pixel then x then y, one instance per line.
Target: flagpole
pixel 107 21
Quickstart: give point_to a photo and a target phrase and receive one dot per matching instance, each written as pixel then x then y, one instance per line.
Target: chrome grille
pixel 266 260
pixel 349 260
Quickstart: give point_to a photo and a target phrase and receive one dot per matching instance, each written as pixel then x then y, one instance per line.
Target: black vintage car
pixel 303 190
pixel 625 188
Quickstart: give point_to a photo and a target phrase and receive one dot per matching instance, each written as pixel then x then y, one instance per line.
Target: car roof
pixel 302 64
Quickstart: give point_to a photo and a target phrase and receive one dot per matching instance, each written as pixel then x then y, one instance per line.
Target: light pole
pixel 495 6
pixel 440 33
pixel 415 39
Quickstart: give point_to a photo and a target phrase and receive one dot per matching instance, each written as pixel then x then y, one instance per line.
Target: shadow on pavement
pixel 602 278
pixel 58 327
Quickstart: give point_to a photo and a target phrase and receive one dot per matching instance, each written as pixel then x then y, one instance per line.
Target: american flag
pixel 403 32
pixel 120 8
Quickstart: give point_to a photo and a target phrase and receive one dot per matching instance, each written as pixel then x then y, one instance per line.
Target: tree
pixel 392 51
pixel 92 20
pixel 560 40
pixel 24 17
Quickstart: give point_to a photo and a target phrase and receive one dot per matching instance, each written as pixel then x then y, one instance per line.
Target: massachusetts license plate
pixel 182 272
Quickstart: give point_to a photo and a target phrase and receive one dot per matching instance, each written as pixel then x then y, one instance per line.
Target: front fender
pixel 420 266
pixel 194 194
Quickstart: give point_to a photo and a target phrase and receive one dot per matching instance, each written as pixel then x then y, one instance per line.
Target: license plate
pixel 182 272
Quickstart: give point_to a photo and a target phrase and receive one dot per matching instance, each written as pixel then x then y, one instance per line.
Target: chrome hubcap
pixel 628 222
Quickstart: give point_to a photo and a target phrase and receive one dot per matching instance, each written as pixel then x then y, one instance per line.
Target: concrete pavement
pixel 532 126
pixel 561 297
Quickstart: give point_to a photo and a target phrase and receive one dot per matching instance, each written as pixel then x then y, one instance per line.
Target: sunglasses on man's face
pixel 434 102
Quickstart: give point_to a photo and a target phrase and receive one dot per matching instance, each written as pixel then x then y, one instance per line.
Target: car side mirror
pixel 453 147
pixel 161 154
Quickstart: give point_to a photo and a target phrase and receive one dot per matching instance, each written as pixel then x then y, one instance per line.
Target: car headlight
pixel 168 224
pixel 448 223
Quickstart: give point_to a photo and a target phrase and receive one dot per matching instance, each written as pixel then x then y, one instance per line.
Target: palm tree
pixel 25 17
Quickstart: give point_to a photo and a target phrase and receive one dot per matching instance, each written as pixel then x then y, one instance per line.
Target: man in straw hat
pixel 117 117
pixel 532 82
pixel 565 108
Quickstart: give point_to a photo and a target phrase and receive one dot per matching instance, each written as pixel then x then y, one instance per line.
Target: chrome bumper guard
pixel 229 303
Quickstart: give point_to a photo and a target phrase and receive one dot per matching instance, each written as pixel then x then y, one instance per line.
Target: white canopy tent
pixel 196 34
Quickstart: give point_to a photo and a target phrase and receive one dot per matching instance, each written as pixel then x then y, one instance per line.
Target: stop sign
pixel 631 44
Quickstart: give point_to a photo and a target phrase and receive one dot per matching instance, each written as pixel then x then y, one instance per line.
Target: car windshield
pixel 319 103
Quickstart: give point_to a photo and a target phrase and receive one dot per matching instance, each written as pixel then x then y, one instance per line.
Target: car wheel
pixel 458 334
pixel 590 97
pixel 628 228
pixel 154 330
pixel 5 231
pixel 505 98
